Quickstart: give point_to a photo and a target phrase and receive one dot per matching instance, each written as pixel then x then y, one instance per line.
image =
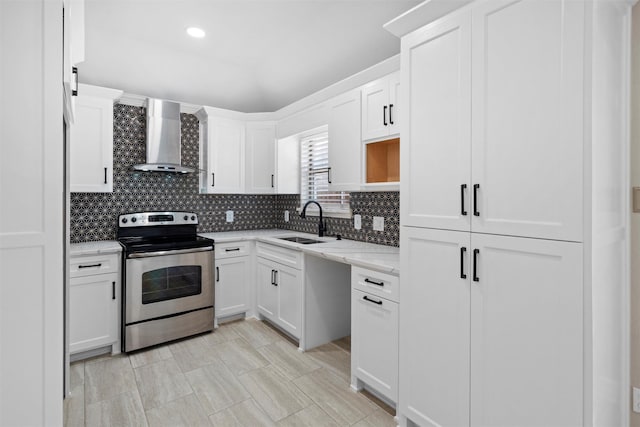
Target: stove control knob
pixel 134 219
pixel 124 220
pixel 193 217
pixel 185 217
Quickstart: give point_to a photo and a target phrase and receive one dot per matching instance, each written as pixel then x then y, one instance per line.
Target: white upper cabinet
pixel 73 52
pixel 380 107
pixel 345 147
pixel 510 161
pixel 437 133
pixel 260 160
pixel 527 126
pixel 222 154
pixel 91 144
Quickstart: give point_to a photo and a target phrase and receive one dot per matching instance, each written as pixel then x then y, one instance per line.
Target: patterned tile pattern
pixel 94 215
pixel 385 204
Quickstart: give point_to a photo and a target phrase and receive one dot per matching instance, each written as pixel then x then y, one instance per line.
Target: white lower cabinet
pixel 374 343
pixel 491 330
pixel 232 286
pixel 280 295
pixel 93 304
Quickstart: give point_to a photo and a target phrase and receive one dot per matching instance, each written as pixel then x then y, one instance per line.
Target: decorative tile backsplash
pixel 94 215
pixel 368 205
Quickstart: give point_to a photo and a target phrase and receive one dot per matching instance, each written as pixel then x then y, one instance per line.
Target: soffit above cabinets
pixel 257 56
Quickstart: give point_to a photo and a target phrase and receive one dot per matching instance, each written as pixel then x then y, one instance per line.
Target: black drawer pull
pixel 475 199
pixel 329 175
pixel 232 249
pixel 475 265
pixel 90 266
pixel 374 282
pixel 275 275
pixel 463 250
pixel 463 211
pixel 217 274
pixel 371 300
pixel 105 175
pixel 390 118
pixel 213 179
pixel 272 181
pixel 272 277
pixel 113 290
pixel 384 115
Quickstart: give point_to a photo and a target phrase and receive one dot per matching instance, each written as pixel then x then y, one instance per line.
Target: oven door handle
pixel 174 252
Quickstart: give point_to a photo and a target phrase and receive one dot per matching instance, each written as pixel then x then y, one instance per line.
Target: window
pixel 314 175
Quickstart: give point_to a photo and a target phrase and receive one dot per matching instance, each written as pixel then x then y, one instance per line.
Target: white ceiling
pixel 257 56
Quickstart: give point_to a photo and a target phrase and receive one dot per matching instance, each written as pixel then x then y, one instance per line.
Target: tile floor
pixel 243 374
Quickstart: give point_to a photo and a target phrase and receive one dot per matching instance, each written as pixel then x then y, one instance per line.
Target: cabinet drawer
pixel 232 249
pixel 376 283
pixel 279 254
pixel 88 265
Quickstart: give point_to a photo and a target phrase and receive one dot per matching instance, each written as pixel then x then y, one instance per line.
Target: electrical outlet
pixel 378 223
pixel 286 216
pixel 357 222
pixel 229 216
pixel 636 399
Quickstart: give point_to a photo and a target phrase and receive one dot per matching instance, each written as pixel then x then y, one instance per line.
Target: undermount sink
pixel 301 240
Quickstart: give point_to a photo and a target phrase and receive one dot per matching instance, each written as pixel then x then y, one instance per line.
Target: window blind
pixel 314 175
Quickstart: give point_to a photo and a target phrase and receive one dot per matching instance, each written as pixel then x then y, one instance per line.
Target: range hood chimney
pixel 163 138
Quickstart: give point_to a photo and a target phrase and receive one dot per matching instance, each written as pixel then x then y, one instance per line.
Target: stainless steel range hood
pixel 163 138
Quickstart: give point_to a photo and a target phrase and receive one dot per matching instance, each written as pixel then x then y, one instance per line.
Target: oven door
pixel 167 283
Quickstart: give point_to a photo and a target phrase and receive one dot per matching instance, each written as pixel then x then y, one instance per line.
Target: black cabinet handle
pixel 390 118
pixel 271 180
pixel 463 211
pixel 90 265
pixel 272 277
pixel 463 250
pixel 74 70
pixel 105 175
pixel 217 274
pixel 475 199
pixel 232 249
pixel 113 290
pixel 384 115
pixel 275 281
pixel 329 175
pixel 372 300
pixel 373 282
pixel 213 179
pixel 475 265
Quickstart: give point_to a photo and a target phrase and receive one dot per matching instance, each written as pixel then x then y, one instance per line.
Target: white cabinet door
pixel 345 146
pixel 225 158
pixel 394 103
pixel 375 99
pixel 434 326
pixel 73 52
pixel 266 288
pixel 528 59
pixel 436 133
pixel 232 286
pixel 527 332
pixel 374 342
pixel 260 165
pixel 91 144
pixel 93 311
pixel 289 283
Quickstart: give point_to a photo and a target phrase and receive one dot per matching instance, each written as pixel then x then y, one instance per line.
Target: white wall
pixel 31 213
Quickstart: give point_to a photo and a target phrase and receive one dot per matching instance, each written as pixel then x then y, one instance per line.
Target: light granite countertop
pixel 95 248
pixel 367 255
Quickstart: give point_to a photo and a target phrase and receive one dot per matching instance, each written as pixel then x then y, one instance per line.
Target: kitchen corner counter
pixel 95 248
pixel 381 258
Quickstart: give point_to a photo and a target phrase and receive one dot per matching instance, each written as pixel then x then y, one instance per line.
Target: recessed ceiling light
pixel 196 32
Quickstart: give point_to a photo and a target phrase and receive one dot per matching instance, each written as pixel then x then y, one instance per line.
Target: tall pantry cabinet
pixel 514 213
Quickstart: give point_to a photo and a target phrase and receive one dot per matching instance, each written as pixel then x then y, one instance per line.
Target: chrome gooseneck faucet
pixel 321 225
